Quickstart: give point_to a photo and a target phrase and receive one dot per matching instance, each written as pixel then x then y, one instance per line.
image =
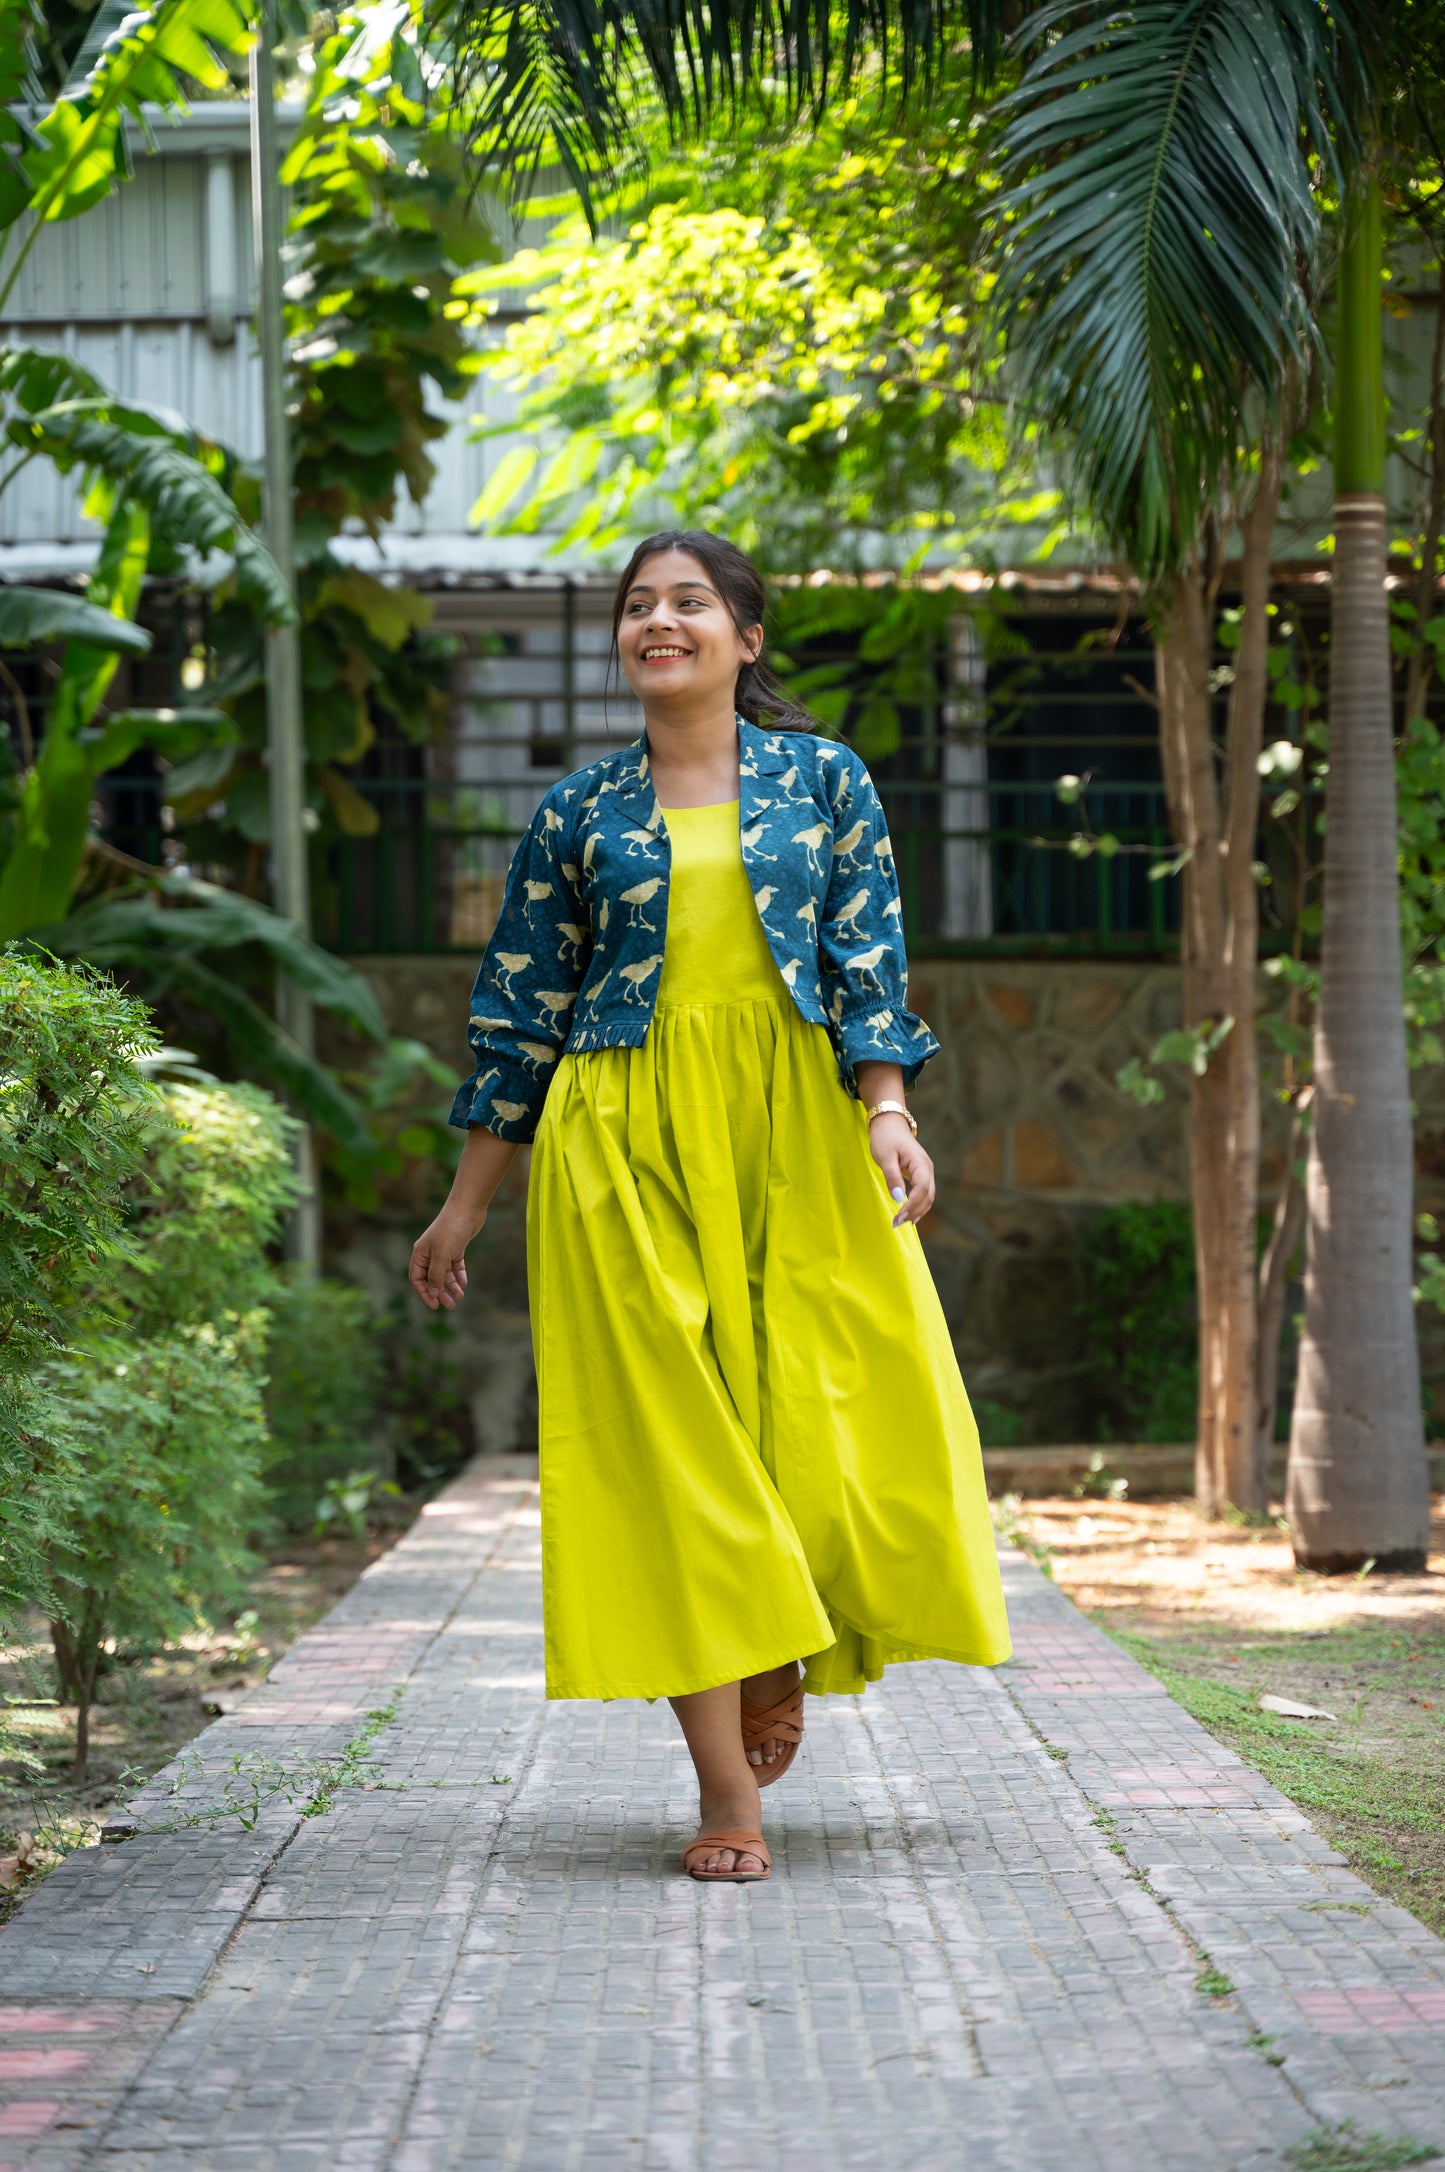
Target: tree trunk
pixel 1219 964
pixel 1358 1491
pixel 1274 1273
pixel 77 1660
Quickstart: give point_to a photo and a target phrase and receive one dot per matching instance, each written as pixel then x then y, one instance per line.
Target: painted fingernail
pixel 898 1193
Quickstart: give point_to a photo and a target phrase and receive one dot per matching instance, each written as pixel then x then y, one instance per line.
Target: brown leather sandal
pixel 741 1844
pixel 771 1723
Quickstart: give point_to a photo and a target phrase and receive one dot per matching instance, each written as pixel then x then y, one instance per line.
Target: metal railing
pixel 430 880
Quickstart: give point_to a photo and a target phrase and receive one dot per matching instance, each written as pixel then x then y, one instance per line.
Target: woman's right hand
pixel 438 1271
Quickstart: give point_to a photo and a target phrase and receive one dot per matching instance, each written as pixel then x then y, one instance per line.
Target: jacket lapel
pixel 635 787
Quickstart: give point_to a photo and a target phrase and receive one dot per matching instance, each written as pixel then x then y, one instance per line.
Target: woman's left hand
pixel 906 1166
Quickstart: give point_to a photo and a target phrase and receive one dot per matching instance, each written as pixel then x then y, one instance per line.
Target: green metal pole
pixel 285 739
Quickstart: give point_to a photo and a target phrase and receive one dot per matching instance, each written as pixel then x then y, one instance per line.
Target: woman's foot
pixel 739 1812
pixel 764 1691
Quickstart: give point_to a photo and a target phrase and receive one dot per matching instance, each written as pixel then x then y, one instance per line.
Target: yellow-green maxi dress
pixel 755 1444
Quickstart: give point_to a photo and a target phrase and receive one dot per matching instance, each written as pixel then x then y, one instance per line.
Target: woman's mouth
pixel 664 653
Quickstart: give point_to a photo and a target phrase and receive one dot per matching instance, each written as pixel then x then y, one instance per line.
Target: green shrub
pixel 325 1363
pixel 205 1213
pixel 1140 1324
pixel 156 1447
pixel 75 1110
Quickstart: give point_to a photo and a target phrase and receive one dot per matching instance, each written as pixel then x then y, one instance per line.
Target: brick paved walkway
pixel 993 1899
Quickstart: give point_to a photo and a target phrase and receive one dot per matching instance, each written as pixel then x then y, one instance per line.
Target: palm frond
pixel 1161 208
pixel 550 81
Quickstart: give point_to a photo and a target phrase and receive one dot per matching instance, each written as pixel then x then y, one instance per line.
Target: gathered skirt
pixel 755 1443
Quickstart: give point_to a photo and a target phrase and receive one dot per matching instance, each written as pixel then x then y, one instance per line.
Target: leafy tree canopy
pixel 792 337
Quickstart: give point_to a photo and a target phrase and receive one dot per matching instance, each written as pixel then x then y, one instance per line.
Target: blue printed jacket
pixel 576 955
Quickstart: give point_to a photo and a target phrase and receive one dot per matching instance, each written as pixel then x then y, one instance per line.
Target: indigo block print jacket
pixel 577 952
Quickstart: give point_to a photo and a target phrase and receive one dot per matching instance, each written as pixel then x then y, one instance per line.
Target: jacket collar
pixel 760 754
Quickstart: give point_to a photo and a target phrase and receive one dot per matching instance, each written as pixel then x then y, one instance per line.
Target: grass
pixel 1343 2149
pixel 1380 1805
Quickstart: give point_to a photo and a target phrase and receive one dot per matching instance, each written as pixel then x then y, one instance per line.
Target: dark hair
pixel 757 695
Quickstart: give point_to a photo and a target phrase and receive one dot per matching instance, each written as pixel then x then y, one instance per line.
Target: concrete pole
pixel 289 874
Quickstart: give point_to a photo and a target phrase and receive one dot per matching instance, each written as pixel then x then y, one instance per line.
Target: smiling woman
pixel 756 1448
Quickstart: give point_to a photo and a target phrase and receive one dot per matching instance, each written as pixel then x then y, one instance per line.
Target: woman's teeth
pixel 657 656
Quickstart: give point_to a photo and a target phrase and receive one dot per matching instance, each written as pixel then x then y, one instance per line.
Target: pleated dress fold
pixel 755 1442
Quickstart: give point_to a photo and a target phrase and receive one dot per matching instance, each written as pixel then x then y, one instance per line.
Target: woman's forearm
pixel 485 1161
pixel 878 1082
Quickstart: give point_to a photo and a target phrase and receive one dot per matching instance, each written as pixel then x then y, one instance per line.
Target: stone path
pixel 994 1897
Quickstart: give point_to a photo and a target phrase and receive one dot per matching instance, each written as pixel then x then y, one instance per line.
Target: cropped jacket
pixel 576 955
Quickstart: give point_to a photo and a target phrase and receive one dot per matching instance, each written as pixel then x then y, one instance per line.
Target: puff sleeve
pixel 862 964
pixel 531 970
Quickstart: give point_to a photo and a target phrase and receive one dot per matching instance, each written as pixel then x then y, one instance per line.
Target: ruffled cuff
pixel 882 1036
pixel 501 1096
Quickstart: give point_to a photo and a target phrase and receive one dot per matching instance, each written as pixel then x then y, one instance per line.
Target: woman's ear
pixel 752 641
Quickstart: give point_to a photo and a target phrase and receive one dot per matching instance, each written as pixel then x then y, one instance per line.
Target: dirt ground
pixel 1221 1614
pixel 149 1709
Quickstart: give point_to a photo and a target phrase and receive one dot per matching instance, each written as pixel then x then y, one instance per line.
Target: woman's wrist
pixel 485 1161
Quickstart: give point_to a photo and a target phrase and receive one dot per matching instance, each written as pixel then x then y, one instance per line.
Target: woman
pixel 756 1449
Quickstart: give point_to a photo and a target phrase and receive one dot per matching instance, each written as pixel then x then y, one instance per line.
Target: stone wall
pixel 1030 1135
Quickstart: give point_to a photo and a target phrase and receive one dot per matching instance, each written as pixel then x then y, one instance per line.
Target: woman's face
pixel 677 642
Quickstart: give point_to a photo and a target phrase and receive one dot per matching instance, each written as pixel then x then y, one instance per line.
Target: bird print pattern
pixel 574 961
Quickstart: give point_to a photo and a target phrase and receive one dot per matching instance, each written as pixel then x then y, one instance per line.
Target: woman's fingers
pixel 418 1273
pixel 436 1278
pixel 887 1158
pixel 918 1173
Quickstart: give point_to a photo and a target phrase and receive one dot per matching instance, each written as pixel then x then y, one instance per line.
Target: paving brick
pixel 488 1958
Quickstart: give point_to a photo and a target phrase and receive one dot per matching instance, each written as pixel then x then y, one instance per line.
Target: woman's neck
pixel 694 760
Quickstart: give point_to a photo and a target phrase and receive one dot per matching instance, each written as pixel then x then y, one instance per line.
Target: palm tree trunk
pixel 1358 1491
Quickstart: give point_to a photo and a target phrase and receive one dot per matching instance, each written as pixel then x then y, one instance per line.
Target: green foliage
pixel 29 615
pixel 324 1396
pixel 205 1212
pixel 136 457
pixel 1138 1316
pixel 73 154
pixel 433 1433
pixel 351 1500
pixel 557 82
pixel 790 339
pixel 135 1221
pixel 166 933
pixel 156 1450
pixel 75 1110
pixel 384 222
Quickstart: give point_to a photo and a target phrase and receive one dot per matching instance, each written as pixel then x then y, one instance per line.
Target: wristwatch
pixel 894 1108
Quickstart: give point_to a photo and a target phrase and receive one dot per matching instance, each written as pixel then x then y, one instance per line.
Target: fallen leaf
pixel 1288 1709
pixel 9 1873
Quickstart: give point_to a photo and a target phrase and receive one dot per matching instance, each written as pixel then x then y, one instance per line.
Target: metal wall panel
pixel 139 253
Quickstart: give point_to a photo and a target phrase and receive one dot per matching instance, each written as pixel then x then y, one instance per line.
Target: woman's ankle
pixel 731 1808
pixel 772 1686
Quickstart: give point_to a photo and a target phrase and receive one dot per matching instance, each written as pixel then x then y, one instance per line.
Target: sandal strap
pixel 781 1722
pixel 740 1843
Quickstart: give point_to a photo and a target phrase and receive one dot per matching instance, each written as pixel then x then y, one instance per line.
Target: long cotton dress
pixel 755 1442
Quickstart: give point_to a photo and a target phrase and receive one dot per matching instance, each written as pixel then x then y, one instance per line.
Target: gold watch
pixel 894 1108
